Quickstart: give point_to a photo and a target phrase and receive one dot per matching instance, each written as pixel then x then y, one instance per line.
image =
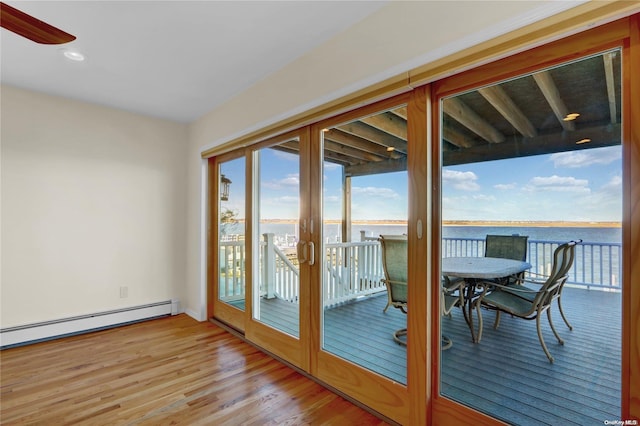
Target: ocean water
pixel 559 234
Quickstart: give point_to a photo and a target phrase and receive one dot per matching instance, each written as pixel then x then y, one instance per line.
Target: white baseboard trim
pixel 32 333
pixel 193 314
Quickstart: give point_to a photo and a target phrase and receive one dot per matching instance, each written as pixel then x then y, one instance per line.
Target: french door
pixel 282 252
pixel 260 267
pixel 362 192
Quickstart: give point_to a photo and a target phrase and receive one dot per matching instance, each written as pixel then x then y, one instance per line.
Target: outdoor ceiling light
pixel 571 117
pixel 581 141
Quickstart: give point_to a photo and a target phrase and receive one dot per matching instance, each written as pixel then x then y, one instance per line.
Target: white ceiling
pixel 170 59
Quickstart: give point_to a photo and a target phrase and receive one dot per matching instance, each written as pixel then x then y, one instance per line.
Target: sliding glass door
pixel 228 261
pixel 281 251
pixel 363 196
pixel 538 158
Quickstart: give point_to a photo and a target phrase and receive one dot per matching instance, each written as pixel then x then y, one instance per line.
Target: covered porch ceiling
pixel 525 116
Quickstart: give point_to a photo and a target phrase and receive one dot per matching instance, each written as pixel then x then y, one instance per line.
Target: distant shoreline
pixel 520 224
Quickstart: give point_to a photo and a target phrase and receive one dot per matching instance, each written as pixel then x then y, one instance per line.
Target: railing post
pixel 269 258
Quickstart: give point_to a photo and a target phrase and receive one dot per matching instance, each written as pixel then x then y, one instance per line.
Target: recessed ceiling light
pixel 581 141
pixel 571 116
pixel 390 149
pixel 73 55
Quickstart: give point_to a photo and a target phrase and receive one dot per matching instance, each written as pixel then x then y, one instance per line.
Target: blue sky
pixel 583 185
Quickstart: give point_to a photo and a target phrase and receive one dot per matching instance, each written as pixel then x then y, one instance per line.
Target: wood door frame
pixel 289 348
pixel 384 395
pixel 438 407
pixel 224 312
pixel 618 34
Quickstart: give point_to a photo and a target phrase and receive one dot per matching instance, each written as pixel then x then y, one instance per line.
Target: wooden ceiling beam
pixel 457 138
pixel 607 135
pixel 388 122
pixel 294 148
pixel 357 142
pixel 388 166
pixel 611 91
pixel 400 112
pixel 457 109
pixel 372 134
pixel 551 93
pixel 501 101
pixel 359 155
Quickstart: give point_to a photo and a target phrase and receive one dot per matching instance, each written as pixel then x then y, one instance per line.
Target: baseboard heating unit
pixel 32 333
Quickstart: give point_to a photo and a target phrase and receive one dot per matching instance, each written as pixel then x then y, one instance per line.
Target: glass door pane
pixel 537 158
pixel 231 233
pixel 364 196
pixel 276 284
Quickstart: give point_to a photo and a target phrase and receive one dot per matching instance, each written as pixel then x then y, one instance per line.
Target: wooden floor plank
pixel 167 371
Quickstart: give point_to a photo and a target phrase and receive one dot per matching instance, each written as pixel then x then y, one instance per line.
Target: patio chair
pixel 451 296
pixel 528 302
pixel 394 265
pixel 507 247
pixel 570 256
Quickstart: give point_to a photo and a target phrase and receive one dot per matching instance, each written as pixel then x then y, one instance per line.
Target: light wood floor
pixel 172 370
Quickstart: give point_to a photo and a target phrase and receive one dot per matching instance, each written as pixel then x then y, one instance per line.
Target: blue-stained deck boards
pixel 507 374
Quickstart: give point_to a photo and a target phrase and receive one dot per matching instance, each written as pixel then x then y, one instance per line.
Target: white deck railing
pixel 280 276
pixel 354 269
pixel 597 265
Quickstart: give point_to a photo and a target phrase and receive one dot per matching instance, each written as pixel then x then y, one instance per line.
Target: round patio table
pixel 474 269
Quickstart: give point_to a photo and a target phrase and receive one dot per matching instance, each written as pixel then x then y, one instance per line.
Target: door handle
pixel 312 253
pixel 301 248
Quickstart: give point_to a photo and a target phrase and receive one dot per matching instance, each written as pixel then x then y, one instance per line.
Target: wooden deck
pixel 507 374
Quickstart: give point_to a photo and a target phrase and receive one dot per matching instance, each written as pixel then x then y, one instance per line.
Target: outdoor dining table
pixel 475 269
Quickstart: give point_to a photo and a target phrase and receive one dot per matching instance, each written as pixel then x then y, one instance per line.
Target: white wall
pixel 92 199
pixel 400 36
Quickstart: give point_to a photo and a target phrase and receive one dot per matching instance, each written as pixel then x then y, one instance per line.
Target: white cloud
pixel 587 157
pixel 482 197
pixel 614 184
pixel 505 186
pixel 558 184
pixel 465 181
pixel 290 181
pixel 372 191
pixel 603 204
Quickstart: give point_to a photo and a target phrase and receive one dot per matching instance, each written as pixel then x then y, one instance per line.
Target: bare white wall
pixel 400 36
pixel 93 199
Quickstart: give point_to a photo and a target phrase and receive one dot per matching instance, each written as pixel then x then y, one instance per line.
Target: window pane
pixel 277 200
pixel 231 215
pixel 538 157
pixel 365 196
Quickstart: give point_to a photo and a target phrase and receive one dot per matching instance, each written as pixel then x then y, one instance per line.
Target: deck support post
pixel 269 257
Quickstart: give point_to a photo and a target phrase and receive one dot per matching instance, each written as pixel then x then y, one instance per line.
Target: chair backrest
pixel 506 246
pixel 394 265
pixel 563 257
pixel 570 254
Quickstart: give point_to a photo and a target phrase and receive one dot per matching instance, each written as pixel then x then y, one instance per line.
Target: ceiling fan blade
pixel 34 29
